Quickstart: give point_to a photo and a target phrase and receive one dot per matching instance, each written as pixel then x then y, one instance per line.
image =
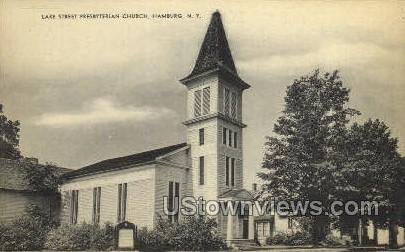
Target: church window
pixel 201 136
pixel 122 202
pixel 96 204
pixel 206 101
pixel 174 199
pixel 197 103
pixel 224 135
pixel 74 205
pixel 202 170
pixel 233 105
pixel 226 102
pixel 235 139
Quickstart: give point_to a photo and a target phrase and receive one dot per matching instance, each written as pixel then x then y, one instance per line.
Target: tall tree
pixel 368 169
pixel 9 137
pixel 299 158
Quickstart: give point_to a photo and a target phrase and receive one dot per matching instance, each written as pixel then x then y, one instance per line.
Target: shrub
pixel 81 237
pixel 191 234
pixel 27 232
pixel 332 240
pixel 292 239
pixel 151 240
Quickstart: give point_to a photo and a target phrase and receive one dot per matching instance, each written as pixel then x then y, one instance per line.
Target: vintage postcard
pixel 202 125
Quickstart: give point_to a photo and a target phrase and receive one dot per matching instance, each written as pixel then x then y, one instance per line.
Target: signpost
pixel 125 236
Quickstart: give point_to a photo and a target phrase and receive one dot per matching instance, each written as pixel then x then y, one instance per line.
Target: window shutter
pixel 224 135
pixel 75 205
pixel 201 136
pixel 124 201
pixel 72 206
pixel 232 172
pixel 233 105
pixel 206 100
pixel 226 102
pixel 94 204
pixel 235 139
pixel 197 103
pixel 170 205
pixel 227 171
pixel 202 170
pixel 176 200
pixel 119 203
pixel 98 204
pixel 230 138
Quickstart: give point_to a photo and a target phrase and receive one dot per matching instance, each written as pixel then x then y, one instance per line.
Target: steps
pixel 242 244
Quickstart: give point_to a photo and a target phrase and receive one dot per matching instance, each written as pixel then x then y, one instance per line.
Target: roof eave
pixel 222 71
pixel 67 178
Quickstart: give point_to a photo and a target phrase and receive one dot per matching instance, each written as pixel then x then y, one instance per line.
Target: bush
pixel 28 232
pixel 191 234
pixel 292 239
pixel 81 237
pixel 331 240
pixel 151 240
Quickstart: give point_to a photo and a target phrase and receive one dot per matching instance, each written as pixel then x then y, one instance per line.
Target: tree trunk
pixel 393 232
pixel 319 229
pixel 360 232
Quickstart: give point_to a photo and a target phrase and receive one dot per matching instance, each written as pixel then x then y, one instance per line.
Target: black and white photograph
pixel 202 125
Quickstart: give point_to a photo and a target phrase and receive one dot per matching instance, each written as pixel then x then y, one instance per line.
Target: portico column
pixel 229 228
pixel 251 227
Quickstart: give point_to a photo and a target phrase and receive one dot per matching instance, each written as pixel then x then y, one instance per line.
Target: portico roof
pixel 237 194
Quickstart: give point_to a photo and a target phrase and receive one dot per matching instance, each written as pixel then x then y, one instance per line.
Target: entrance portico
pixel 239 226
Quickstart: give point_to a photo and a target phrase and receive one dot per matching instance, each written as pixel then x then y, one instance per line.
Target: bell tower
pixel 214 116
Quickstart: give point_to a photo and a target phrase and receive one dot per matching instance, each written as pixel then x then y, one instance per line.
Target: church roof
pixel 124 162
pixel 214 52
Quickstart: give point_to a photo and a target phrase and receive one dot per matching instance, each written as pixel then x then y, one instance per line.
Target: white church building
pixel 208 165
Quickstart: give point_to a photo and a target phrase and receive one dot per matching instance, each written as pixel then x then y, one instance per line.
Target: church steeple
pixel 215 54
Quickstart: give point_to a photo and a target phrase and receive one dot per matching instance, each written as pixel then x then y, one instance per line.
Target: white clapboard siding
pixel 140 208
pixel 141 192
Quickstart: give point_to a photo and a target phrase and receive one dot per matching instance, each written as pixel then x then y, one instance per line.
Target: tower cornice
pixel 215 115
pixel 222 72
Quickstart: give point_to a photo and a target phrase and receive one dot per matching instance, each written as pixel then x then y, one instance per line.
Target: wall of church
pixel 209 151
pixel 225 150
pixel 140 192
pixel 165 174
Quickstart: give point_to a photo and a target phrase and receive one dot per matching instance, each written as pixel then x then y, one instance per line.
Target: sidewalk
pixel 311 248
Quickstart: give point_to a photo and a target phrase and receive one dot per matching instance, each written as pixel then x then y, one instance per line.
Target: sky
pixel 86 90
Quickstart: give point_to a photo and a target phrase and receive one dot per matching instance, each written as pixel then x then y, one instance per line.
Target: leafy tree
pixel 9 137
pixel 399 198
pixel 369 170
pixel 43 178
pixel 300 157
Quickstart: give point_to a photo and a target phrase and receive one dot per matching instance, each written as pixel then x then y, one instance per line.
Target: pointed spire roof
pixel 214 50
